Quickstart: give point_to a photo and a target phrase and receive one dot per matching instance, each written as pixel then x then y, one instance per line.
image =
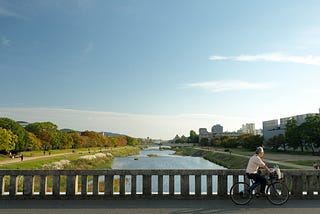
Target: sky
pixel 158 68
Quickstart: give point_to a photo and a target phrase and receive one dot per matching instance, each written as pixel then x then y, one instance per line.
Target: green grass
pixel 303 162
pixel 38 163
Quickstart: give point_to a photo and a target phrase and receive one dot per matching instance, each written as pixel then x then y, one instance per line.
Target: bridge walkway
pixel 153 206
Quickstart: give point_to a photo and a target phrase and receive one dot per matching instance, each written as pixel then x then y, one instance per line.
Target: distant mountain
pixel 110 134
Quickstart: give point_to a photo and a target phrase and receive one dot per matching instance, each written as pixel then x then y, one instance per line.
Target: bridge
pixel 145 184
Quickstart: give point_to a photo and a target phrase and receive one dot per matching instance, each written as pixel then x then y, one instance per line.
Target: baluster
pixel 146 185
pixel 43 185
pixel 133 185
pixel 222 186
pixel 297 186
pixel 28 184
pixel 1 185
pixel 95 183
pixel 56 185
pixel 209 185
pixel 13 185
pixel 171 185
pixel 198 185
pixel 71 185
pixel 108 189
pixel 185 190
pixel 160 184
pixel 84 185
pixel 122 185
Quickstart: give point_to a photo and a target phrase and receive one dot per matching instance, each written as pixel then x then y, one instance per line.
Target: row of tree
pixel 47 136
pixel 305 136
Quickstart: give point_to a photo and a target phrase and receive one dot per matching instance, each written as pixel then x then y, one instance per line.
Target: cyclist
pixel 252 170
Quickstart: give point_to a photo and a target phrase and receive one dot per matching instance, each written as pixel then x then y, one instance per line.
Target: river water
pixel 165 159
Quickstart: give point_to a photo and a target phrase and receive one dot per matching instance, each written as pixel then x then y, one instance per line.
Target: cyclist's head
pixel 259 150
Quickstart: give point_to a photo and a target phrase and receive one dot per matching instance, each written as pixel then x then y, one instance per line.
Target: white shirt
pixel 254 163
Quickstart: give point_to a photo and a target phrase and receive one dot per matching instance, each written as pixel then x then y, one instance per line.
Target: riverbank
pixel 232 160
pixel 229 161
pixel 38 162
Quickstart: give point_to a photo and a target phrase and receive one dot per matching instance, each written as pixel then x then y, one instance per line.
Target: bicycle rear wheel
pixel 240 193
pixel 277 193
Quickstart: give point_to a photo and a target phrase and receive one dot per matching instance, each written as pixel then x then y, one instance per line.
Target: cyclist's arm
pixel 267 168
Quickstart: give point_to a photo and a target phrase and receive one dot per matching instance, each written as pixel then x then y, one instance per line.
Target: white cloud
pixel 272 57
pixel 135 125
pixel 5 42
pixel 229 85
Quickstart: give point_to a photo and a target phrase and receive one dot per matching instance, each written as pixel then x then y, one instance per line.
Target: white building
pixel 272 127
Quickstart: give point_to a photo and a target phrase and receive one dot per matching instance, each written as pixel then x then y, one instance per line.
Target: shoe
pixel 261 194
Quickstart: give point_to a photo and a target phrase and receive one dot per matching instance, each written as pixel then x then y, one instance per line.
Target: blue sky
pixel 158 68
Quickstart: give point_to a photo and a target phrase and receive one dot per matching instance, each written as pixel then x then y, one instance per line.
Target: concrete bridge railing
pixel 111 184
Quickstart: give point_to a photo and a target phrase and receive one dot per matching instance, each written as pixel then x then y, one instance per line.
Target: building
pixel 272 128
pixel 248 128
pixel 217 129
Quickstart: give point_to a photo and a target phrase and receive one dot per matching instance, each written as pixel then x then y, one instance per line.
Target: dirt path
pixel 16 160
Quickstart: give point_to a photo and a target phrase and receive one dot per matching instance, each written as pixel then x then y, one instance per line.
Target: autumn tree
pixel 7 140
pixel 23 140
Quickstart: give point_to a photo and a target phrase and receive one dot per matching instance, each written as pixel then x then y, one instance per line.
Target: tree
pixel 194 138
pixel 23 138
pixel 276 142
pixel 249 141
pixel 292 134
pixel 7 140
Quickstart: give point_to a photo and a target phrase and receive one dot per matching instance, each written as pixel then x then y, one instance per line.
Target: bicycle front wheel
pixel 277 193
pixel 240 193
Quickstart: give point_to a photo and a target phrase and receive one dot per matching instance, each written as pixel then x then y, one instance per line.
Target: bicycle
pixel 277 192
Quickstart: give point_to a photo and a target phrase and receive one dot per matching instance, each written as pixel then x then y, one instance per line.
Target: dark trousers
pixel 258 178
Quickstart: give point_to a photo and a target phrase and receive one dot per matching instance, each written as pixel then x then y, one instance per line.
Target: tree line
pixel 47 136
pixel 305 136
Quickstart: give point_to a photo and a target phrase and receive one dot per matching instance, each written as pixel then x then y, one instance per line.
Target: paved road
pixel 154 207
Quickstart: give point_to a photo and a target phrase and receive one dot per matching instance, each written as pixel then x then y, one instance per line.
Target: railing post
pixel 43 185
pixel 95 183
pixel 28 183
pixel 297 190
pixel 56 185
pixel 13 185
pixel 84 185
pixel 171 185
pixel 146 185
pixel 198 185
pixel 1 185
pixel 209 185
pixel 122 185
pixel 185 190
pixel 71 185
pixel 133 185
pixel 222 186
pixel 108 189
pixel 160 184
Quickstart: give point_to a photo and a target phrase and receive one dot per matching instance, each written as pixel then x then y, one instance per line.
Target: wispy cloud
pixel 229 85
pixel 271 57
pixel 136 125
pixel 88 48
pixel 8 13
pixel 4 41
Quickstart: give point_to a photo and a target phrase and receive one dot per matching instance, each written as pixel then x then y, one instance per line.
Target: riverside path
pixel 153 206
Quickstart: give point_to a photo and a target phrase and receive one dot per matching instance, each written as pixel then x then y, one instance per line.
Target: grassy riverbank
pixel 227 160
pixel 73 158
pixel 230 160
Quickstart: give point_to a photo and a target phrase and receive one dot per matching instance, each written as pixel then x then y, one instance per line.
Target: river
pixel 164 159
